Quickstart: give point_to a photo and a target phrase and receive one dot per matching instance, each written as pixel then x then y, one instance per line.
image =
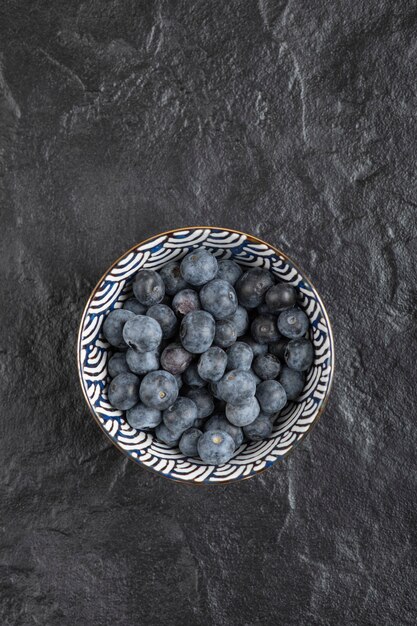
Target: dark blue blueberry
pixel 135 306
pixel 254 376
pixel 142 362
pixel 197 331
pixel 271 396
pixel 266 366
pixel 158 390
pixel 293 323
pixel 261 428
pixel 178 378
pixel 280 297
pixel 165 317
pixel 292 381
pixel 236 386
pixel 212 364
pixel 299 354
pixel 185 301
pixel 244 413
pixel 219 422
pixel 180 415
pixel 252 286
pixel 262 309
pixel 171 275
pixel 203 401
pixel 225 334
pixel 117 364
pixel 142 333
pixel 123 391
pixel 192 378
pixel 175 359
pixel 148 287
pixel 143 417
pixel 215 447
pixel 264 329
pixel 229 270
pixel 240 320
pixel 189 440
pixel 198 267
pixel 214 388
pixel 278 348
pixel 257 348
pixel 219 298
pixel 167 437
pixel 239 356
pixel 113 326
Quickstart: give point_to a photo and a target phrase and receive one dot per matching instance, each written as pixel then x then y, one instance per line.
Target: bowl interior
pixel 295 421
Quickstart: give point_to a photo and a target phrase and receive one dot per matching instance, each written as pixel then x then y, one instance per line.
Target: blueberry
pixel 271 396
pixel 158 390
pixel 134 306
pixel 123 391
pixel 171 275
pixel 266 366
pixel 197 331
pixel 163 434
pixel 142 362
pixel 293 323
pixel 280 297
pixel 259 429
pixel 198 267
pixel 165 317
pixel 236 386
pixel 185 301
pixel 264 329
pixel 178 378
pixel 244 413
pixel 142 333
pixel 219 298
pixel 113 326
pixel 215 447
pixel 189 440
pixel 229 270
pixel 292 381
pixel 192 378
pixel 180 415
pixel 117 364
pixel 203 401
pixel 212 364
pixel 175 359
pixel 257 348
pixel 278 348
pixel 262 309
pixel 255 377
pixel 148 287
pixel 240 320
pixel 225 334
pixel 214 388
pixel 252 286
pixel 143 417
pixel 299 354
pixel 219 422
pixel 239 356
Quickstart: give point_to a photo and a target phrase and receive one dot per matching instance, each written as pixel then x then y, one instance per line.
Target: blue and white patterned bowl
pixel 297 419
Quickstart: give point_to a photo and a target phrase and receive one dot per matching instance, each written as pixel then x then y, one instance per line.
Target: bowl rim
pixel 253 239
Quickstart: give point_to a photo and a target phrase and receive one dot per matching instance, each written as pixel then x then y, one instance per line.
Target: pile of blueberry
pixel 233 343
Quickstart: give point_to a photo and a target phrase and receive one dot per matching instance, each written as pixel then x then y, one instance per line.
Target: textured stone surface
pixel 296 122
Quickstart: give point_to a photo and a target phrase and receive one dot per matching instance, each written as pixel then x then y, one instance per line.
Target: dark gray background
pixel 291 120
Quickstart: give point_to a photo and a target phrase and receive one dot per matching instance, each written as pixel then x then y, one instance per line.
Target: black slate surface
pixel 290 120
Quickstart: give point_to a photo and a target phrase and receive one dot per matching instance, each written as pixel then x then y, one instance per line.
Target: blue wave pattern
pixel 294 422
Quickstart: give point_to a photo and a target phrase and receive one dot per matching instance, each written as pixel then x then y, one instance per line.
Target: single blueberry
pixel 171 275
pixel 148 287
pixel 229 270
pixel 142 362
pixel 192 378
pixel 264 329
pixel 240 320
pixel 293 323
pixel 259 429
pixel 280 297
pixel 225 334
pixel 180 415
pixel 292 381
pixel 203 401
pixel 117 364
pixel 212 364
pixel 198 267
pixel 143 417
pixel 257 348
pixel 197 331
pixel 252 286
pixel 215 447
pixel 189 440
pixel 236 386
pixel 239 356
pixel 219 298
pixel 113 327
pixel 271 396
pixel 158 390
pixel 142 333
pixel 165 317
pixel 244 413
pixel 266 366
pixel 299 354
pixel 123 391
pixel 214 388
pixel 219 422
pixel 185 301
pixel 175 359
pixel 167 437
pixel 278 348
pixel 135 306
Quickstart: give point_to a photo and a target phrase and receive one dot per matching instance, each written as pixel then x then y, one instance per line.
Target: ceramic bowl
pixel 295 421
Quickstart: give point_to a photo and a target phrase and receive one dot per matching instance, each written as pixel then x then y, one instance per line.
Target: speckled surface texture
pixel 295 122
